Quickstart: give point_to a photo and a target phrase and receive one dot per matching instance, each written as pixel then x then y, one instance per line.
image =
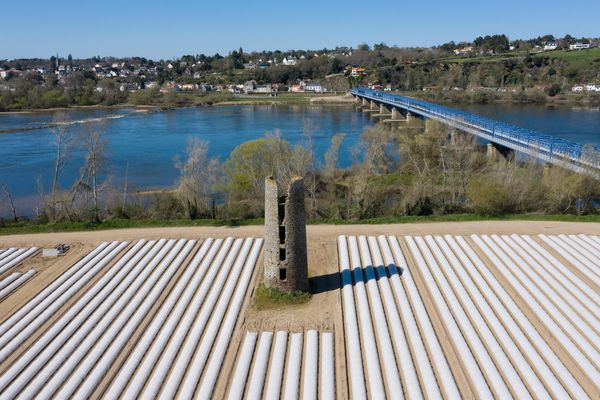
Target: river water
pixel 146 144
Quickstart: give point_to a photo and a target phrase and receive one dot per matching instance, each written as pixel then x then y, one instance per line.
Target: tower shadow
pixel 324 283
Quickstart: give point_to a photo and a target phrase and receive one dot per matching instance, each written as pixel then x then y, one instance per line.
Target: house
pixel 188 87
pixel 312 86
pixel 592 88
pixel 170 87
pixel 289 60
pixel 579 46
pixel 205 87
pixel 298 88
pixel 577 88
pixel 9 73
pixel 463 51
pixel 358 71
pixel 263 89
pixel 250 86
pixel 550 46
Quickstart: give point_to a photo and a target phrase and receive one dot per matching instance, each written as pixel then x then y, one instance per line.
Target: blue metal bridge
pixel 574 156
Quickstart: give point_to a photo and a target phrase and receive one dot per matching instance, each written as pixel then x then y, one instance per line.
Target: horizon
pixel 127 30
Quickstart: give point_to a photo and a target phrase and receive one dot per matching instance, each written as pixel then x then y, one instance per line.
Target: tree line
pixel 421 168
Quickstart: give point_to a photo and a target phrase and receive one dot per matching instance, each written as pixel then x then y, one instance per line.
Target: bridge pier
pixel 371 107
pixel 396 117
pixel 496 151
pixel 383 112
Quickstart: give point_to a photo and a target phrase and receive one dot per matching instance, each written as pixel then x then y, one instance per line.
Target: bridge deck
pixel 577 157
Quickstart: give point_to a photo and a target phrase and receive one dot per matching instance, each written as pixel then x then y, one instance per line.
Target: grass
pixel 31 227
pixel 25 227
pixel 268 298
pixel 482 58
pixel 576 57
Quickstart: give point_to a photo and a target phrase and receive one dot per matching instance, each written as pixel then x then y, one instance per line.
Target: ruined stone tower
pixel 286 265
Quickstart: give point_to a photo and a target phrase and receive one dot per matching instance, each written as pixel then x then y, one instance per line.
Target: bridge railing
pixel 531 140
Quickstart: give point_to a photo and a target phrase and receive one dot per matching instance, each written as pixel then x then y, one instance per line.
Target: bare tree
pixel 95 147
pixel 10 200
pixel 332 156
pixel 62 141
pixel 198 175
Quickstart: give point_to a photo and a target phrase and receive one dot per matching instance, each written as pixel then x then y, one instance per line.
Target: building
pixel 579 46
pixel 550 46
pixel 188 87
pixel 590 87
pixel 250 86
pixel 463 51
pixel 314 87
pixel 263 89
pixel 358 71
pixel 285 257
pixel 289 60
pixel 9 73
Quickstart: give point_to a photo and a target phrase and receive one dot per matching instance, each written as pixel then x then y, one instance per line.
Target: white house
pixel 550 46
pixel 577 88
pixel 250 86
pixel 263 89
pixel 289 60
pixel 579 46
pixel 592 87
pixel 314 87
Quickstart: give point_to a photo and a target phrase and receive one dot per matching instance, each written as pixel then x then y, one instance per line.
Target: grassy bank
pixel 31 227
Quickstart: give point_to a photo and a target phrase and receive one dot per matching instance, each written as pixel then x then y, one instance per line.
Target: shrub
pixel 487 197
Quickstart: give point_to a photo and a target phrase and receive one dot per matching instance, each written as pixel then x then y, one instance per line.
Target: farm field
pixel 441 310
pixel 484 316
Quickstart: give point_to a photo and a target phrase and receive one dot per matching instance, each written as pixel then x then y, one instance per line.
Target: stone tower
pixel 286 265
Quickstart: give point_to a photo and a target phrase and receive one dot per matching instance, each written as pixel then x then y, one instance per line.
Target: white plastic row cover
pixel 310 373
pixel 73 355
pixel 389 313
pixel 14 284
pixel 12 260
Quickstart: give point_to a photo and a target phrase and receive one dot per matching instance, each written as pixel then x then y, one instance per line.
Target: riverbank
pixel 94 107
pixel 166 101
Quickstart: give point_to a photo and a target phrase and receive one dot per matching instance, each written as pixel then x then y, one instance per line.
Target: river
pixel 146 144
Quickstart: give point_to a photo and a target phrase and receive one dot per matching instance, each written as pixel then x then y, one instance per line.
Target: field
pixel 500 309
pixel 579 58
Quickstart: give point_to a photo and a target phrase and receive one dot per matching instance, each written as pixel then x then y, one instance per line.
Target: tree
pixel 252 161
pixel 10 200
pixel 95 147
pixel 198 175
pixel 62 141
pixel 363 47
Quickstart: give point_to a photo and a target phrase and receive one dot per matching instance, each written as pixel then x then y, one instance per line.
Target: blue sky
pixel 166 29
